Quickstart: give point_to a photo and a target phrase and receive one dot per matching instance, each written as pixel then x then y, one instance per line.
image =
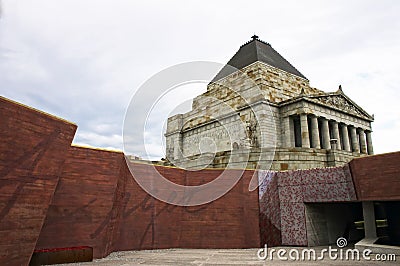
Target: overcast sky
pixel 83 60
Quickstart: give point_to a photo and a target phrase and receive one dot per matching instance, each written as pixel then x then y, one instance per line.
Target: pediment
pixel 341 102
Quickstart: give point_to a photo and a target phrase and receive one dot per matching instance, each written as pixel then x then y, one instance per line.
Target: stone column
pixel 292 132
pixel 178 147
pixel 369 219
pixel 370 149
pixel 336 134
pixel 354 139
pixel 305 137
pixel 363 145
pixel 346 142
pixel 326 144
pixel 315 132
pixel 287 132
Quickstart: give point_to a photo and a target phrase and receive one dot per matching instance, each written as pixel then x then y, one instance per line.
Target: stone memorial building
pixel 260 111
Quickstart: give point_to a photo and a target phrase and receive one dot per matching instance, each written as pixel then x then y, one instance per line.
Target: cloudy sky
pixel 83 60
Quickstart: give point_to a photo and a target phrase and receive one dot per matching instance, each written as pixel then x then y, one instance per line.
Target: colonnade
pixel 310 131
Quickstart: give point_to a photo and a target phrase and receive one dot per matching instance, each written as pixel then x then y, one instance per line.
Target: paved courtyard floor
pixel 221 257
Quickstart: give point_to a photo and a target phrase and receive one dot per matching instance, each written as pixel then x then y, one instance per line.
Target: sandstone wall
pixel 276 85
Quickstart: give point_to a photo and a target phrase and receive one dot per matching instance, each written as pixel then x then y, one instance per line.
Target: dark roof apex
pixel 254 38
pixel 256 50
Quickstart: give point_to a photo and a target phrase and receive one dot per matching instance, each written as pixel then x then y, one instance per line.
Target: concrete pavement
pixel 221 257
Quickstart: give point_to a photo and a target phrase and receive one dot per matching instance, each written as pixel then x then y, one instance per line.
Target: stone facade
pixel 264 116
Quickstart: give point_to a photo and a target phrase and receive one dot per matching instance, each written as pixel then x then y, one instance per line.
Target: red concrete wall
pixel 74 196
pixel 141 225
pixel 33 148
pixel 231 221
pixel 87 201
pixel 98 203
pixel 377 177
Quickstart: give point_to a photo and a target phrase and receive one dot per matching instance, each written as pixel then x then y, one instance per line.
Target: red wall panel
pixel 33 148
pixel 99 204
pixel 377 177
pixel 86 204
pixel 228 222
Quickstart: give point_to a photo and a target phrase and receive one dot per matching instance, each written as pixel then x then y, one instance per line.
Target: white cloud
pixel 92 139
pixel 83 60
